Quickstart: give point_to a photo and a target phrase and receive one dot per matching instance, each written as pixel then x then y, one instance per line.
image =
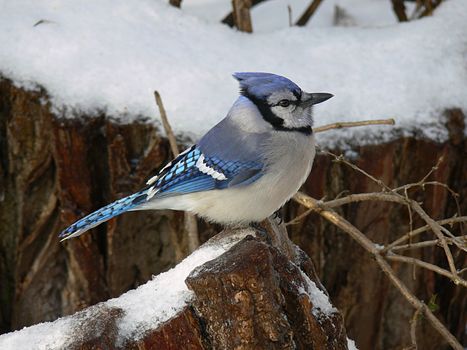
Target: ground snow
pixel 109 55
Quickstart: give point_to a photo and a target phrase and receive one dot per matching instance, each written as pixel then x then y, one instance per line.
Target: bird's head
pixel 281 102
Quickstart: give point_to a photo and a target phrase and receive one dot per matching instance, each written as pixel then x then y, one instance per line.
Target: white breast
pixel 289 158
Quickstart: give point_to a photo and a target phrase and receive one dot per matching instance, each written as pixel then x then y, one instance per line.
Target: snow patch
pixel 110 55
pixel 43 336
pixel 321 303
pixel 351 344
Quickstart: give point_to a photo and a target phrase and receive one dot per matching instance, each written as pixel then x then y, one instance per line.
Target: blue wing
pixel 194 171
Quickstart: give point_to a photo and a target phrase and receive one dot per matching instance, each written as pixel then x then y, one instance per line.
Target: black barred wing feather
pixel 192 171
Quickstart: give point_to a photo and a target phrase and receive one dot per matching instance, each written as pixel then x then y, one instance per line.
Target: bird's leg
pixel 277 216
pixel 262 233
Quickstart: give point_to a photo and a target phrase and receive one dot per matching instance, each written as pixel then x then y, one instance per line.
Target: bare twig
pixel 424 244
pixel 309 11
pixel 437 229
pixel 289 11
pixel 297 219
pixel 166 124
pixel 341 159
pixel 190 223
pixel 461 245
pixel 421 184
pixel 380 255
pixel 430 7
pixel 428 266
pixel 341 125
pixel 390 197
pixel 413 327
pixel 399 9
pixel 330 215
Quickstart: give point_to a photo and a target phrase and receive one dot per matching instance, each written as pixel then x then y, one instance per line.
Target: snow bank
pixel 109 55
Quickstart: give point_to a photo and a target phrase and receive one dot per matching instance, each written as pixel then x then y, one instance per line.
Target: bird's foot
pixel 261 232
pixel 277 216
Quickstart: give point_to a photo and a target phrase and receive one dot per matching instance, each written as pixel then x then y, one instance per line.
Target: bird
pixel 243 169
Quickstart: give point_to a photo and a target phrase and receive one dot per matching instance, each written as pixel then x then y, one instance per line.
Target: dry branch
pixel 309 11
pixel 422 229
pixel 398 198
pixel 330 215
pixel 190 223
pixel 324 209
pixel 399 9
pixel 353 124
pixel 424 244
pixel 428 266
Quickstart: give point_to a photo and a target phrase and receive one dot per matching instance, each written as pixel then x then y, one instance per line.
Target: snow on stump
pixel 243 289
pixel 254 296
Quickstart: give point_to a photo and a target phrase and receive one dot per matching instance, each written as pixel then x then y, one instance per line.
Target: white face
pixel 285 105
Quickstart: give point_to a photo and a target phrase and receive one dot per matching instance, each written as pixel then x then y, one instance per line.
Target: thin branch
pixel 425 228
pixel 399 9
pixel 421 184
pixel 413 327
pixel 289 11
pixel 309 11
pixel 428 266
pixel 370 247
pixel 297 219
pixel 341 125
pixel 424 244
pixel 166 124
pixel 341 159
pixel 410 214
pixel 430 7
pixel 390 197
pixel 190 223
pixel 437 229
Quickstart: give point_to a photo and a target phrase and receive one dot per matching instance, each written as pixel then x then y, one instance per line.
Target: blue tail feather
pixel 106 213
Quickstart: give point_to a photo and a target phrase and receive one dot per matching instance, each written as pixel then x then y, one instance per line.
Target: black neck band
pixel 276 122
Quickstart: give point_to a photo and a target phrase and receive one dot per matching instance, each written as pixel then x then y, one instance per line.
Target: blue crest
pixel 261 85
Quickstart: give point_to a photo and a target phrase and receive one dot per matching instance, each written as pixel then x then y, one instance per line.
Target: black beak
pixel 315 98
pixel 320 97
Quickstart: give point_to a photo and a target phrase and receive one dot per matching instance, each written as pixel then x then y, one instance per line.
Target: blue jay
pixel 244 168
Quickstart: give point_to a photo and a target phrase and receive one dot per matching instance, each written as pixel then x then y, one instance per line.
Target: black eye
pixel 284 103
